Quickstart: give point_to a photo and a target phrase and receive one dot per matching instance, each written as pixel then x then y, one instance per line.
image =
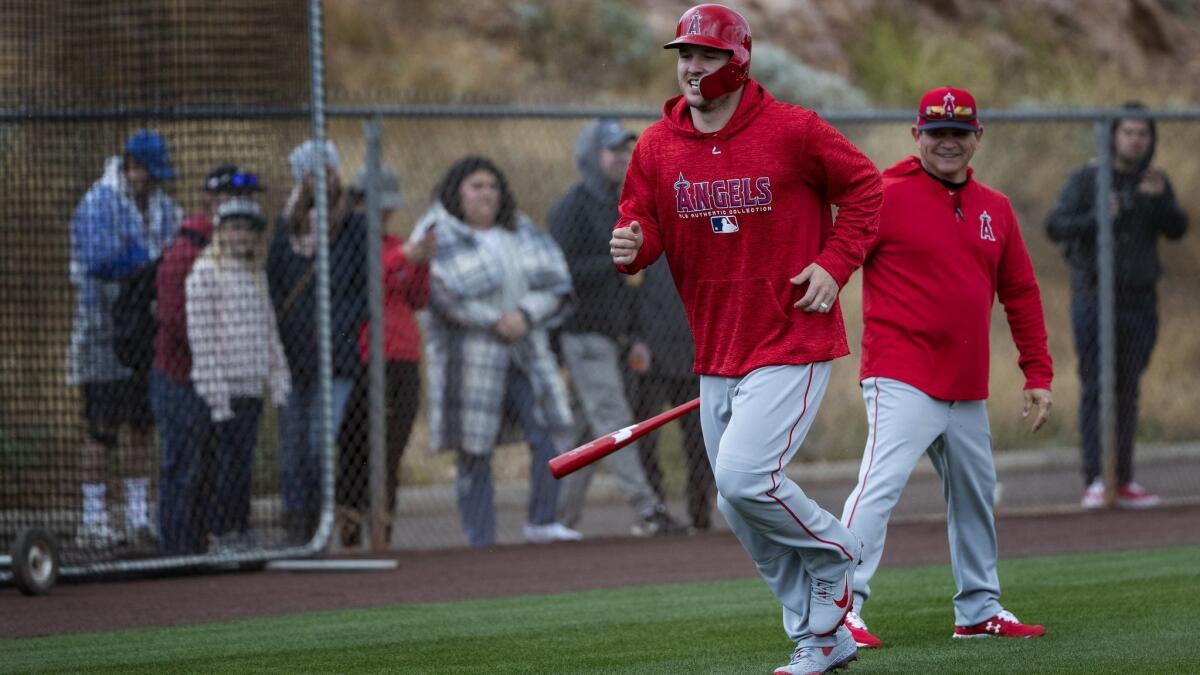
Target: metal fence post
pixel 1107 309
pixel 379 516
pixel 324 341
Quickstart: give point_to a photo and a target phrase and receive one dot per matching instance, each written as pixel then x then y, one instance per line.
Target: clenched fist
pixel 625 243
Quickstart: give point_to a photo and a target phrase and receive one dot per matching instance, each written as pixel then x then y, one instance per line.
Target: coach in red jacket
pixel 735 188
pixel 948 245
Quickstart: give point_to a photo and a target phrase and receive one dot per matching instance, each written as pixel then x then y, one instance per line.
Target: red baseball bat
pixel 609 443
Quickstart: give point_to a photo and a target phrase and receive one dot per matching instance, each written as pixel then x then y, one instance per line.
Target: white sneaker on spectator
pixel 98 534
pixel 1093 496
pixel 544 534
pixel 657 522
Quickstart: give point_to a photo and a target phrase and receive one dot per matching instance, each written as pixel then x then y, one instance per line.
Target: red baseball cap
pixel 948 108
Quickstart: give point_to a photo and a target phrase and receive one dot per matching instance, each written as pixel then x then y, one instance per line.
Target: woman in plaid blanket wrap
pixel 498 285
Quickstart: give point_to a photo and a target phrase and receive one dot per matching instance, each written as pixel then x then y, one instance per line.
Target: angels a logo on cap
pixel 948 104
pixel 694 26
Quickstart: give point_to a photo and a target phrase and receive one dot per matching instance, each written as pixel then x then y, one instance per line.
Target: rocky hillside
pixel 1011 51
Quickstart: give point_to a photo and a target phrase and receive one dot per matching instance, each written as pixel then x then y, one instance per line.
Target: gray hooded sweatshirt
pixel 581 221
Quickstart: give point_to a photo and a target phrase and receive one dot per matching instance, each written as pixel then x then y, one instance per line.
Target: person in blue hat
pixel 123 222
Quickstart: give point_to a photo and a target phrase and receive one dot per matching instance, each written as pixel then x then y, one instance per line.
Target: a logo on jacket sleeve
pixel 724 224
pixel 985 227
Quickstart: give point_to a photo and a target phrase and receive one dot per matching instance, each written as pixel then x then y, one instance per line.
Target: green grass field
pixel 1121 612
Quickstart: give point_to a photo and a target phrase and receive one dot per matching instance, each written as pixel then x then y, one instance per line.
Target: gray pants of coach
pixel 905 423
pixel 593 361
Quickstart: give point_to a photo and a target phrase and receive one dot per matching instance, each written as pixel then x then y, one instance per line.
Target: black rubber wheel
pixel 34 561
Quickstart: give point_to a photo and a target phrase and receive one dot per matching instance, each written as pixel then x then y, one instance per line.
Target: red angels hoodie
pixel 741 211
pixel 931 279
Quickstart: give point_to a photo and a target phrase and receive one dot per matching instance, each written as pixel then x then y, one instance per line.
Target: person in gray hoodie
pixel 591 342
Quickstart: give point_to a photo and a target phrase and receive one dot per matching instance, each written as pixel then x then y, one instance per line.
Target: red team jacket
pixel 931 279
pixel 741 211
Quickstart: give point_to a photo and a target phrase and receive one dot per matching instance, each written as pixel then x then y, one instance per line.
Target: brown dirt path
pixel 433 576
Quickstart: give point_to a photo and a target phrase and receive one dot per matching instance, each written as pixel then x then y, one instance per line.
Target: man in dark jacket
pixel 591 341
pixel 291 275
pixel 1143 207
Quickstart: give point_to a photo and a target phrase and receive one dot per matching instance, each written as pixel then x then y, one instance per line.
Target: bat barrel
pixel 603 446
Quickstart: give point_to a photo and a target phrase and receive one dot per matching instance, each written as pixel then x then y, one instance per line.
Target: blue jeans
pixel 476 496
pixel 1137 331
pixel 225 505
pixel 300 443
pixel 185 435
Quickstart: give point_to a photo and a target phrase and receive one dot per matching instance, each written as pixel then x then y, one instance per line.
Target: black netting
pixel 177 86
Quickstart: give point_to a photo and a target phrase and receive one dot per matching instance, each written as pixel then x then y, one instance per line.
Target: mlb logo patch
pixel 724 224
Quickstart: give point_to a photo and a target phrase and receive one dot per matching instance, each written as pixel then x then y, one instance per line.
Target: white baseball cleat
pixel 815 660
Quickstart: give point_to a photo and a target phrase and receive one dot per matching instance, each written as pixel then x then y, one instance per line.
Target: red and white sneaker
pixel 1003 624
pixel 1093 496
pixel 1134 496
pixel 862 637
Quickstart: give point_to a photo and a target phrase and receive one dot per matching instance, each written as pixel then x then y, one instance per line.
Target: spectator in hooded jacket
pixel 179 413
pixel 1143 208
pixel 123 222
pixel 406 290
pixel 291 271
pixel 498 284
pixel 236 355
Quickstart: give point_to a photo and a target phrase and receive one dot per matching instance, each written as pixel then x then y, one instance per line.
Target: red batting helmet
pixel 718 27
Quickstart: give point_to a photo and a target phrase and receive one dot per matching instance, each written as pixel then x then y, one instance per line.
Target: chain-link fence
pixel 536 150
pixel 217 448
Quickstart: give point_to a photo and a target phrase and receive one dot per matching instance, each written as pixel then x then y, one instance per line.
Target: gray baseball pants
pixel 753 426
pixel 905 423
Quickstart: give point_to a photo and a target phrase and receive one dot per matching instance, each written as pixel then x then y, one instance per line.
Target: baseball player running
pixel 735 187
pixel 947 246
